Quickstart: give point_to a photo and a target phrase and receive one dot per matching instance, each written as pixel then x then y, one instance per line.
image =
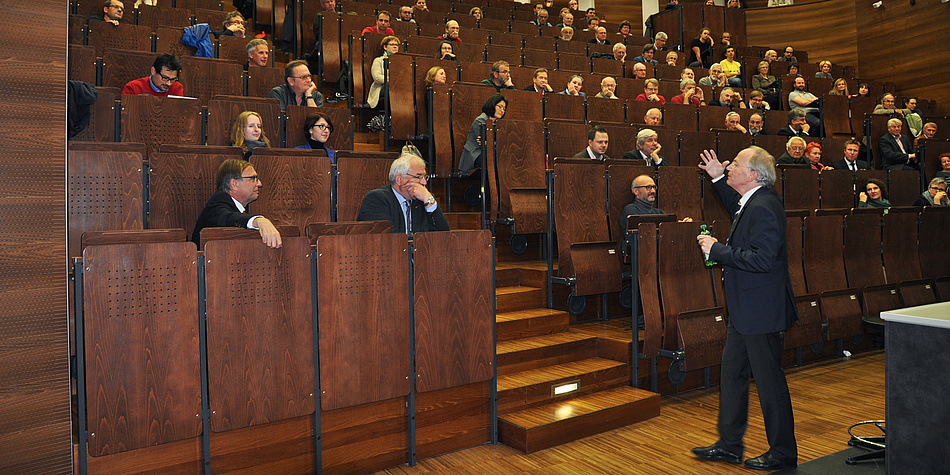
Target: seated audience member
pixel 864 90
pixel 651 88
pixel 639 71
pixel 539 83
pixel 435 75
pixel 850 161
pixel 715 78
pixel 620 53
pixel 574 86
pixel 591 14
pixel 500 76
pixel 659 41
pixel 874 195
pixel 757 101
pixel 886 107
pixel 733 4
pixel 476 12
pixel 233 25
pixel 112 11
pixel 405 202
pixel 824 70
pixel 896 150
pixel 794 153
pixel 299 90
pixel 726 40
pixel 757 125
pixel 318 127
pixel 672 4
pixel 257 53
pixel 237 186
pixel 840 88
pixel 420 6
pixel 767 85
pixel 732 122
pixel 600 37
pixel 671 58
pixel 451 32
pixel 471 157
pixel 567 33
pixel 390 45
pixel 731 69
pixel 729 97
pixel 597 141
pixel 914 116
pixel 687 73
pixel 624 29
pixel 247 133
pixel 644 190
pixel 567 21
pixel 944 166
pixel 447 51
pixel 648 149
pixel 701 50
pixel 647 55
pixel 800 98
pixel 789 56
pixel 405 14
pixel 382 25
pixel 689 94
pixel 653 117
pixel 607 87
pixel 936 194
pixel 162 82
pixel 797 125
pixel 928 132
pixel 771 55
pixel 542 19
pixel 592 25
pixel 813 154
pixel 793 69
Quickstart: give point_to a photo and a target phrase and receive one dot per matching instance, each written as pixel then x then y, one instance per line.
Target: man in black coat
pixel 238 185
pixel 797 125
pixel 406 194
pixel 850 161
pixel 897 152
pixel 761 305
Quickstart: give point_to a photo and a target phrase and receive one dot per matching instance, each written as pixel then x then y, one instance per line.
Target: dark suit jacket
pixel 841 165
pixel 381 205
pixel 755 263
pixel 584 154
pixel 891 156
pixel 788 132
pixel 636 155
pixel 472 153
pixel 219 212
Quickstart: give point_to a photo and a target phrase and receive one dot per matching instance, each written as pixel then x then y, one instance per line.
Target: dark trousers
pixel 758 356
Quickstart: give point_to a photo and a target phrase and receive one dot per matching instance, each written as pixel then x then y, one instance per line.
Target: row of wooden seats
pixel 155 16
pixel 89 8
pixel 156 121
pixel 228 338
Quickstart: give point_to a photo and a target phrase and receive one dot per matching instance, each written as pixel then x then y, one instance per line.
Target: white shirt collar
pixel 237 203
pixel 746 196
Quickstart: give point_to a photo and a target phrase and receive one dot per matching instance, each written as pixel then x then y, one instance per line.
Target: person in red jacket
pixel 382 25
pixel 162 82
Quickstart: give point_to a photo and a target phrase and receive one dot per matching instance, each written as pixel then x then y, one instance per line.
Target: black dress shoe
pixel 768 462
pixel 714 452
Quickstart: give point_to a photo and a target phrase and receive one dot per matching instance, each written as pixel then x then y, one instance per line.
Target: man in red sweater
pixel 382 25
pixel 162 82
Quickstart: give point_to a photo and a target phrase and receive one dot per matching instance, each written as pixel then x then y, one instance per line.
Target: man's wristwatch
pixel 430 201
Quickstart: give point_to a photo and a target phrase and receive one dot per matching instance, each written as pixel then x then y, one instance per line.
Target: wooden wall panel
pixel 616 11
pixel 35 432
pixel 826 30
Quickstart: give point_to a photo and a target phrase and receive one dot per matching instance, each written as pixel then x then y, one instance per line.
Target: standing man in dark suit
pixel 897 153
pixel 850 161
pixel 406 196
pixel 238 185
pixel 760 304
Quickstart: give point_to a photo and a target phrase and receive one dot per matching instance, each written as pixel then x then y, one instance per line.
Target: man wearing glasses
pixel 648 149
pixel 405 202
pixel 112 11
pixel 644 189
pixel 162 82
pixel 300 89
pixel 238 185
pixel 234 25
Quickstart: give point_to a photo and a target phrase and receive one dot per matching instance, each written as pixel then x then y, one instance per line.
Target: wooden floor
pixel 827 397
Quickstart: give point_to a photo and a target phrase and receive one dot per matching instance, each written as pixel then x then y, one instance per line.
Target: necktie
pixel 854 166
pixel 408 218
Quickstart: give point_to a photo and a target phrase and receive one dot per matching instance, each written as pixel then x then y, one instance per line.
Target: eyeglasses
pixel 937 188
pixel 303 78
pixel 421 176
pixel 252 178
pixel 322 127
pixel 168 79
pixel 117 7
pixel 648 187
pixel 236 22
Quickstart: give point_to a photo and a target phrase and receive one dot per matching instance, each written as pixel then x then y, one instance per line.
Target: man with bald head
pixel 653 117
pixel 644 190
pixel 451 32
pixel 600 37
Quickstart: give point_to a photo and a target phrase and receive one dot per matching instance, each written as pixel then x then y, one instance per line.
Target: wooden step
pixel 532 388
pixel 510 299
pixel 542 427
pixel 531 322
pixel 525 354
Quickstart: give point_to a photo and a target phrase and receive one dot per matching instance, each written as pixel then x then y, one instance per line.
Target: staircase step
pixel 531 322
pixel 542 427
pixel 531 388
pixel 510 299
pixel 514 356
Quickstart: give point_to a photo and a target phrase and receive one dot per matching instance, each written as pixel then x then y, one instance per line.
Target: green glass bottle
pixel 707 231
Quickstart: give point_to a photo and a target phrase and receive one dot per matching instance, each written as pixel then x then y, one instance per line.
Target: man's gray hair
pixel 893 121
pixel 762 163
pixel 660 36
pixel 788 145
pixel 938 181
pixel 726 92
pixel 796 113
pixel 401 166
pixel 619 46
pixel 732 114
pixel 643 134
pixel 686 82
pixel 251 45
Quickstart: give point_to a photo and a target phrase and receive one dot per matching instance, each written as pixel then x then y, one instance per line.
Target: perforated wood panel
pixel 160 120
pixel 357 175
pixel 168 39
pixel 363 299
pixel 520 166
pixel 179 186
pixel 298 188
pixel 837 189
pixel 900 258
pixel 702 334
pixel 105 193
pixel 260 332
pixel 104 35
pixel 141 340
pixel 684 280
pixel 454 309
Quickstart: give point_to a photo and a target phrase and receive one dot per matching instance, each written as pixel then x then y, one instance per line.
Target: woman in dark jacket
pixel 494 108
pixel 318 127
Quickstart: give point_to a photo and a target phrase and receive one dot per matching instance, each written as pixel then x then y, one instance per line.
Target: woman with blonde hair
pixel 824 70
pixel 436 75
pixel 840 88
pixel 476 12
pixel 248 132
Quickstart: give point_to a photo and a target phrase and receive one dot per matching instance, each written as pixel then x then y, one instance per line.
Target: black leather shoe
pixel 768 462
pixel 714 452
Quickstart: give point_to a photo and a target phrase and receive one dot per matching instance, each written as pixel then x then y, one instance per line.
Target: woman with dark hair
pixel 874 195
pixel 446 50
pixel 863 90
pixel 494 108
pixel 248 133
pixel 318 127
pixel 701 50
pixel 624 29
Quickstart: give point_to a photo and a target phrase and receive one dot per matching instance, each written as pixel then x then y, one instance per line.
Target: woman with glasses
pixel 390 46
pixel 248 133
pixel 318 127
pixel 471 157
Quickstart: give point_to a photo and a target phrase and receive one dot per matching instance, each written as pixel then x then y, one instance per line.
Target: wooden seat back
pixel 205 78
pixel 298 186
pixel 862 250
pixel 564 107
pixel 837 189
pixel 566 139
pixel 179 186
pixel 160 120
pixel 260 81
pixel 933 225
pixel 903 186
pixel 800 188
pixel 223 110
pixel 120 66
pixel 676 183
pixel 358 173
pixel 899 247
pixel 126 36
pixel 823 247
